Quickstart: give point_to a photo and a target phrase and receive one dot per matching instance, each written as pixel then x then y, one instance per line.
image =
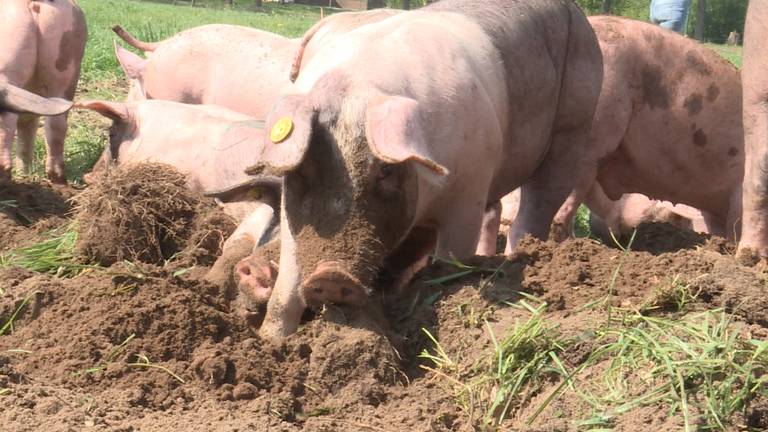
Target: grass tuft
pixel 54 256
pixel 516 369
pixel 9 324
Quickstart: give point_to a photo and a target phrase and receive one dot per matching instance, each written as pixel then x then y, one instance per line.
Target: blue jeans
pixel 670 14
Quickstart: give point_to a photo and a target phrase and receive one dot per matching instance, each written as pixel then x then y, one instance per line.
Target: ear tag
pixel 281 130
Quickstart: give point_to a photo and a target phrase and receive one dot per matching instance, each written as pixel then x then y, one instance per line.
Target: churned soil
pixel 152 347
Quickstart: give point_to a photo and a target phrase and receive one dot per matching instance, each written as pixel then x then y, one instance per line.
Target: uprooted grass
pixel 522 360
pixel 54 256
pixel 141 212
pixel 701 366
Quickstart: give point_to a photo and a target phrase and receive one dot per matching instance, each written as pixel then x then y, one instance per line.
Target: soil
pixel 153 347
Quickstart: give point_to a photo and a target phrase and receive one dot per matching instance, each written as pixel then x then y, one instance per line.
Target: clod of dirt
pixel 661 237
pixel 144 212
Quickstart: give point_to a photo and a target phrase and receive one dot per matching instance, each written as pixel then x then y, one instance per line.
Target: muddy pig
pixel 667 124
pixel 374 148
pixel 43 45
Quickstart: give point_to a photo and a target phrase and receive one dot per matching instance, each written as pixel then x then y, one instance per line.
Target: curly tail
pixel 132 41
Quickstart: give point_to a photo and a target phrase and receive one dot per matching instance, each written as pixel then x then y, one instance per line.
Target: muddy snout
pixel 332 283
pixel 255 278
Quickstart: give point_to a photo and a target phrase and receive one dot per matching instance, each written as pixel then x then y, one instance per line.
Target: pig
pixel 236 67
pixel 754 234
pixel 380 141
pixel 211 145
pixel 623 216
pixel 617 219
pixel 211 59
pixel 325 30
pixel 17 100
pixel 667 125
pixel 43 46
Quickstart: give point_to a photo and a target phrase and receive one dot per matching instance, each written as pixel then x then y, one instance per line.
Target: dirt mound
pixel 660 237
pixel 144 213
pixel 151 348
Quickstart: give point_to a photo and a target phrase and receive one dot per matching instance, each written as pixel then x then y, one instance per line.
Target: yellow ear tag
pixel 281 130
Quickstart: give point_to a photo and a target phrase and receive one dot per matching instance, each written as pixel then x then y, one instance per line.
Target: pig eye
pixel 385 171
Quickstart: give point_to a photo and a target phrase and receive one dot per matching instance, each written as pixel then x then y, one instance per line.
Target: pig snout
pixel 331 283
pixel 256 276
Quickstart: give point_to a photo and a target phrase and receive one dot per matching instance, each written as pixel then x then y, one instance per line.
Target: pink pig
pixel 668 125
pixel 43 45
pixel 415 124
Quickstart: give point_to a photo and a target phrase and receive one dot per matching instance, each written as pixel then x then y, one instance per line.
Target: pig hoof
pixel 559 232
pixel 57 178
pixel 748 257
pixel 256 277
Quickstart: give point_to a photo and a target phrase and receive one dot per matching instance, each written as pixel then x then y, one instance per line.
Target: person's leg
pixel 670 14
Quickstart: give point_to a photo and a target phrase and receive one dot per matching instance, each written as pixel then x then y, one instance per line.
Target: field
pixel 664 332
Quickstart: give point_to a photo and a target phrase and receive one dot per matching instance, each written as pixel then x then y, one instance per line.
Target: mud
pixel 153 347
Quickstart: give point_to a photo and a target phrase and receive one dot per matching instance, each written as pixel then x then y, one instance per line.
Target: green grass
pixel 53 256
pixel 521 360
pixel 729 52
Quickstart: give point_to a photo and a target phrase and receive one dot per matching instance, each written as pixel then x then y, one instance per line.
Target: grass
pixel 53 256
pixel 517 367
pixel 9 324
pixel 700 366
pixel 729 52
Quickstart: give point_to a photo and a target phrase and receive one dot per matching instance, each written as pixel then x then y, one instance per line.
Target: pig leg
pixel 411 256
pixel 7 132
pixel 286 304
pixel 459 231
pixel 733 220
pixel 25 143
pixel 609 127
pixel 603 215
pixel 754 231
pixel 715 225
pixel 547 190
pixel 490 230
pixel 55 133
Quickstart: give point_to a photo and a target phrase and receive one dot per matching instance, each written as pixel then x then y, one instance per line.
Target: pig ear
pixel 132 64
pixel 396 133
pixel 113 110
pixel 287 135
pixel 266 189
